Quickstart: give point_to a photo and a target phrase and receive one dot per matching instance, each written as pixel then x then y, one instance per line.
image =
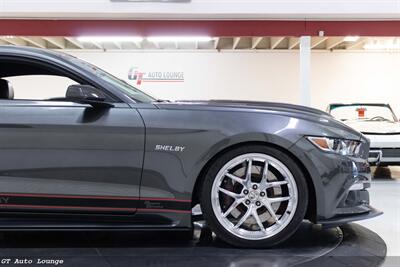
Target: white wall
pixel 210 75
pixel 335 76
pixel 264 76
pixel 355 77
pixel 39 87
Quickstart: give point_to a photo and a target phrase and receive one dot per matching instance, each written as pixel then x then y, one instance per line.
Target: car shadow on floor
pixel 385 173
pixel 169 249
pixel 202 237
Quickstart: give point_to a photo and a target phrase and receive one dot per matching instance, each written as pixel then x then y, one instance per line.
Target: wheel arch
pixel 312 203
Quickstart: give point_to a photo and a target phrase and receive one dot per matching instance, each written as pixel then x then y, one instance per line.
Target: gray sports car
pixel 105 156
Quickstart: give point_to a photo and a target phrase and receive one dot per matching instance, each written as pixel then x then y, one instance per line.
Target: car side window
pixel 31 79
pixel 39 87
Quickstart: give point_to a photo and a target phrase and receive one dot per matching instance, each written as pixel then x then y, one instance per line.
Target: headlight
pixel 339 146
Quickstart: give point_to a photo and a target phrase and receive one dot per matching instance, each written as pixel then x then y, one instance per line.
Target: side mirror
pixel 87 94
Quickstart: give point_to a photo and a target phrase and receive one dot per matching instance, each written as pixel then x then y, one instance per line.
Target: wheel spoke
pixel 244 218
pixel 249 193
pixel 264 179
pixel 265 171
pixel 258 220
pixel 232 207
pixel 278 199
pixel 263 184
pixel 229 193
pixel 275 184
pixel 235 178
pixel 271 211
pixel 248 171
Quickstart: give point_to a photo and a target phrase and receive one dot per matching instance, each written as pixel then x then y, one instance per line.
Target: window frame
pixel 63 70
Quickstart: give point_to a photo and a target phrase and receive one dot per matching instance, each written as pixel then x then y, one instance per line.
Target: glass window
pixel 39 87
pixel 131 91
pixel 363 112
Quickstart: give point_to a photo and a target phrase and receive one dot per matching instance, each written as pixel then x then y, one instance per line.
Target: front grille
pixel 389 152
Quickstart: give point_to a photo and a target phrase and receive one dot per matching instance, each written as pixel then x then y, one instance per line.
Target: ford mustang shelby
pixel 105 156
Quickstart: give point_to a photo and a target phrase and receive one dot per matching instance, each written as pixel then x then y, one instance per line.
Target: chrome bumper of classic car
pixel 381 156
pixel 374 157
pixel 384 148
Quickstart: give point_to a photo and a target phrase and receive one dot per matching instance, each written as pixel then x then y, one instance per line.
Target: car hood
pixel 296 111
pixel 378 127
pixel 248 105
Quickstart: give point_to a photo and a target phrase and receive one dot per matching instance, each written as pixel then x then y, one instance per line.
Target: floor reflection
pixel 389 172
pixel 175 249
pixel 166 248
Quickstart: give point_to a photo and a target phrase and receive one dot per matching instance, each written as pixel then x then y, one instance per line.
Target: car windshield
pixel 131 91
pixel 363 113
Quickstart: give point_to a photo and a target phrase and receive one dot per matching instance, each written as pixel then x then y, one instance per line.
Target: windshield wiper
pixel 380 119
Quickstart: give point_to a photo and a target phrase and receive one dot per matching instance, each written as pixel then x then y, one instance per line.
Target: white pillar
pixel 305 67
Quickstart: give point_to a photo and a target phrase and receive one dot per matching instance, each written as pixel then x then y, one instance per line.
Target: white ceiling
pixel 217 43
pixel 203 9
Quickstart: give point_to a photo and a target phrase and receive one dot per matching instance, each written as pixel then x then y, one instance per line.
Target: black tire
pixel 232 239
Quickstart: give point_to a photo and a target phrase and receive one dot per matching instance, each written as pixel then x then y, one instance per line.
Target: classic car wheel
pixel 254 196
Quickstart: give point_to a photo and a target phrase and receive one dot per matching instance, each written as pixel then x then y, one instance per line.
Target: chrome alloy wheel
pixel 254 196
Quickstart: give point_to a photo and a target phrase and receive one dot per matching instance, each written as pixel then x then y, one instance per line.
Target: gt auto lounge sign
pixel 154 76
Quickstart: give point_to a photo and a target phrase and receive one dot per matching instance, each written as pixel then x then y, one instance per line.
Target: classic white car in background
pixel 376 121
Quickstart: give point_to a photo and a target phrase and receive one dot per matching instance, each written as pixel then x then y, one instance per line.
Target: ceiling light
pixel 351 38
pixel 381 46
pixel 183 39
pixel 105 39
pixel 393 44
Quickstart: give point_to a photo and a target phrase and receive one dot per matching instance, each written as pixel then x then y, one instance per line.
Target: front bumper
pixel 340 220
pixel 385 149
pixel 354 204
pixel 384 156
pixel 340 183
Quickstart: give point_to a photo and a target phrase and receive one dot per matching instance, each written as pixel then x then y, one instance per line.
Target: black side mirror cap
pixel 87 94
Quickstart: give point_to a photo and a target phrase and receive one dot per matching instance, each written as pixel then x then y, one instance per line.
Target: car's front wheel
pixel 254 196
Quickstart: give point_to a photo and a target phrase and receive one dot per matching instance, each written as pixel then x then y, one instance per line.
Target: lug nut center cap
pixel 253 195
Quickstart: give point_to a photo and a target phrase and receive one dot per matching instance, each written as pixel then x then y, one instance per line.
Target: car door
pixel 58 156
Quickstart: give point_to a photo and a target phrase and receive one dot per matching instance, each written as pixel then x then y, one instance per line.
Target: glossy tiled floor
pixel 385 195
pixel 311 246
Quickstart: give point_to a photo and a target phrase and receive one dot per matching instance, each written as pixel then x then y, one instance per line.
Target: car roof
pixel 40 53
pixel 60 58
pixel 25 49
pixel 32 53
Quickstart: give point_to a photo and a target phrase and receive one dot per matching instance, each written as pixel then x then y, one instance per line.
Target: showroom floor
pixel 350 245
pixel 312 245
pixel 385 195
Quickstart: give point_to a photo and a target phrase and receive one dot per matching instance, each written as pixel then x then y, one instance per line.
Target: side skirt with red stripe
pixel 77 203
